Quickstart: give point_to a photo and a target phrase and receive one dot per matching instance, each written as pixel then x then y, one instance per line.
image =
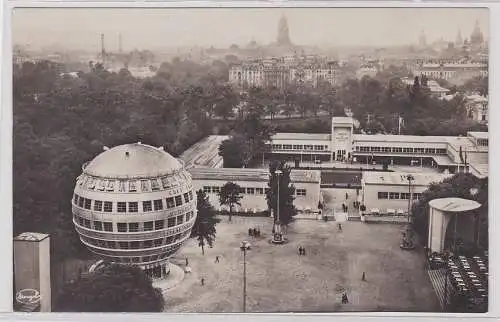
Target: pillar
pixel 438 223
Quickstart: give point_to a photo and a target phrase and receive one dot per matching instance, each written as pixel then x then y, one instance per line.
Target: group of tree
pixel 246 142
pixel 61 121
pixel 460 186
pixel 112 288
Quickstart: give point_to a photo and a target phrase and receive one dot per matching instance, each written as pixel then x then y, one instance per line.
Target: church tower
pixel 476 38
pixel 459 40
pixel 422 41
pixel 283 32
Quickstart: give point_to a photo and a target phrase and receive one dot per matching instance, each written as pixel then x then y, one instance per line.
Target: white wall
pixel 259 202
pixel 371 200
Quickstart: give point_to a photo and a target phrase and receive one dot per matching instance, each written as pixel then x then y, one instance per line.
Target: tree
pixel 286 193
pixel 204 226
pixel 230 195
pixel 232 152
pixel 113 288
pixel 456 186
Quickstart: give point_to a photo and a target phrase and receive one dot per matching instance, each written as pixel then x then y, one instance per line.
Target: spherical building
pixel 134 204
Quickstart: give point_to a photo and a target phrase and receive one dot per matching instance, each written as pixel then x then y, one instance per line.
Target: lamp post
pixel 473 192
pixel 410 178
pixel 277 235
pixel 244 248
pixel 407 243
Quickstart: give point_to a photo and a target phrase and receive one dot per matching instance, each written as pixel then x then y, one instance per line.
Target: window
pixel 430 151
pixel 207 189
pixel 97 225
pixel 180 219
pixel 383 195
pixel 186 197
pixel 122 227
pixel 148 243
pixel 397 150
pixel 148 225
pixel 135 245
pixel 133 227
pixel 80 202
pixel 241 190
pixel 386 149
pixel 108 206
pixel 88 203
pixel 158 242
pixel 405 196
pixel 189 215
pixel 277 146
pixel 165 183
pixel 393 195
pixel 441 151
pixel 251 191
pixel 417 196
pixel 418 150
pixel 122 207
pixel 216 189
pixel 147 206
pixel 155 186
pixel 111 244
pixel 121 186
pixel 287 146
pixel 364 149
pixel 80 221
pixel 145 185
pixel 97 205
pixel 301 192
pixel 259 191
pixel 170 202
pixel 86 223
pixel 375 149
pixel 75 199
pixel 132 187
pixel 178 200
pixel 133 206
pixel 110 186
pixel 190 195
pixel 408 150
pixel 159 224
pixel 158 204
pixel 308 147
pixel 297 147
pixel 102 185
pixel 108 226
pixel 171 222
pixel 123 245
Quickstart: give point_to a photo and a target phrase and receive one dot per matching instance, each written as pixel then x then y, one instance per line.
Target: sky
pixel 149 28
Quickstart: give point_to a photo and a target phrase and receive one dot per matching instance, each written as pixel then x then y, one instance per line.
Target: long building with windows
pixel 444 152
pixel 134 204
pixel 254 186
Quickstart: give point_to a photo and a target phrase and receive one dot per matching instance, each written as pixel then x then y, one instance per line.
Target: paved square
pixel 279 280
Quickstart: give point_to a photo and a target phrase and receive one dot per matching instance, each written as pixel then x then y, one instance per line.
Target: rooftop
pixel 400 138
pixel 479 135
pixel 301 136
pixel 454 204
pixel 342 120
pixel 134 160
pixel 398 178
pixel 28 236
pixel 260 175
pixel 204 153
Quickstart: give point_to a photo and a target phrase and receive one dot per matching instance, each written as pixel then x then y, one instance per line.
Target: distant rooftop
pixel 260 175
pixel 478 135
pixel 28 236
pixel 204 153
pixel 398 178
pixel 301 136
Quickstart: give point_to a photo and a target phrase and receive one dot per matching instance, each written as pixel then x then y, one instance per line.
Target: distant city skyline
pixel 79 29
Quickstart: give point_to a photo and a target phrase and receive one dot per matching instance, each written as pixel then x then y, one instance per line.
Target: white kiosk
pixel 441 212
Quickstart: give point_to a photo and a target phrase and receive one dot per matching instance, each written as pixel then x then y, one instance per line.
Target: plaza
pixel 279 280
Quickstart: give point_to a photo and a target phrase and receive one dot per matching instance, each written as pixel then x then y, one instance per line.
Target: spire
pixel 283 32
pixel 422 41
pixel 459 40
pixel 477 35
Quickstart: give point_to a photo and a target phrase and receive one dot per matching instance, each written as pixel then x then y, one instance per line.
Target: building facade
pixel 342 144
pixel 134 204
pixel 477 108
pixel 391 192
pixel 453 70
pixel 254 185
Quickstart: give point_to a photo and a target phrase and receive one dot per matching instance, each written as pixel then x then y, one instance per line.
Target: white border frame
pixel 6 156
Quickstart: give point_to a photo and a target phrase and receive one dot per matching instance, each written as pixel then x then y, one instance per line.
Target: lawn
pixel 279 280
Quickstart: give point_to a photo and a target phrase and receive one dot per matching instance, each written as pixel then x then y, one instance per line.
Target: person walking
pixel 300 250
pixel 250 231
pixel 363 277
pixel 202 281
pixel 346 196
pixel 303 251
pixel 258 232
pixel 340 227
pixel 187 262
pixel 217 258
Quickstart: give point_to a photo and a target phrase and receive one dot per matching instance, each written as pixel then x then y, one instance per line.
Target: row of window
pixel 143 259
pixel 132 206
pixel 299 147
pixel 399 195
pixel 400 150
pixel 144 185
pixel 250 191
pixel 152 243
pixel 134 227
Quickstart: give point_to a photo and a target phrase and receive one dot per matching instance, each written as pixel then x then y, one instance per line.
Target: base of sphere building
pixel 159 271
